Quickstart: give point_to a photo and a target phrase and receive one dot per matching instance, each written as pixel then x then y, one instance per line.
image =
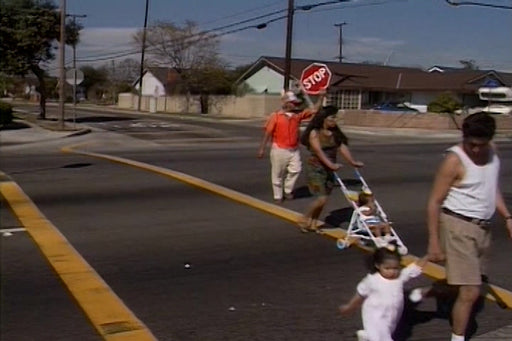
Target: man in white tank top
pixel 465 195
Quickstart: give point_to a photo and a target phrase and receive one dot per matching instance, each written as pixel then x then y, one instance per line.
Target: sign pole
pixel 74 86
pixel 62 71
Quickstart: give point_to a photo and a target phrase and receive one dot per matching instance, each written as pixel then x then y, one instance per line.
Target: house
pixel 362 86
pixel 159 81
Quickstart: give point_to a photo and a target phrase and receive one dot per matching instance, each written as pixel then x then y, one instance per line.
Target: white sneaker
pixel 388 238
pixel 361 335
pixel 416 295
pixel 380 242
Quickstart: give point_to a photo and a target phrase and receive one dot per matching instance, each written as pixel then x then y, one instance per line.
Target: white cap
pixel 289 96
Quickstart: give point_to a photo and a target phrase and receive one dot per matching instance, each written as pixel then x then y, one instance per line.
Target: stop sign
pixel 315 78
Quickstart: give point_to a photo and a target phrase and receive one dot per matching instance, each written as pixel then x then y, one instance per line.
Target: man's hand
pixel 434 253
pixel 336 166
pixel 508 224
pixel 261 152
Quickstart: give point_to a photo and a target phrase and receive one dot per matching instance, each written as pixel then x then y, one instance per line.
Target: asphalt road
pixel 250 275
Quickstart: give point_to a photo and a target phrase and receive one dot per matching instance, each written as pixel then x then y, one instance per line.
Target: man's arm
pixel 502 209
pixel 313 108
pixel 266 137
pixel 446 176
pixel 320 101
pixel 267 134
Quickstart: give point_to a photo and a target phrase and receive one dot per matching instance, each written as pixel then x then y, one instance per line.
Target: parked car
pixel 395 107
pixel 498 109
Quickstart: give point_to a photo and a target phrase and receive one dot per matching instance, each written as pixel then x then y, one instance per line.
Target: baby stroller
pixel 358 229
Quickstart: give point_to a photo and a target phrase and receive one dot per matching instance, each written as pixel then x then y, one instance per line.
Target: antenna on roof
pixel 388 58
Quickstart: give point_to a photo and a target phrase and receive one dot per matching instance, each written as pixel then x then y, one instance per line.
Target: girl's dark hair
pixel 381 255
pixel 317 123
pixel 479 125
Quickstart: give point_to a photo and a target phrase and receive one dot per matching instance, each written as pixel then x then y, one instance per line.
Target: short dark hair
pixel 479 125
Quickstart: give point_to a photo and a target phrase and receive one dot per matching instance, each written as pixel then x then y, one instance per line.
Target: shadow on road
pixel 444 296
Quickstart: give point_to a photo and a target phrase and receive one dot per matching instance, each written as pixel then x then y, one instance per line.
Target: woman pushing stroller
pixel 324 140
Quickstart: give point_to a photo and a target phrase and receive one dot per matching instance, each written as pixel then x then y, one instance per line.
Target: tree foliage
pixel 192 53
pixel 469 64
pixel 444 103
pixel 28 31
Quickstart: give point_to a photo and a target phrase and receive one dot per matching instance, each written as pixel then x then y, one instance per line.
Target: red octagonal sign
pixel 315 78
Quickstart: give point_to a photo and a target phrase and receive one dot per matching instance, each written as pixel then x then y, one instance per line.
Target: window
pixel 348 99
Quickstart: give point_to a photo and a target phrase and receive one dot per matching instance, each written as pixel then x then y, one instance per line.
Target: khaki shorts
pixel 466 246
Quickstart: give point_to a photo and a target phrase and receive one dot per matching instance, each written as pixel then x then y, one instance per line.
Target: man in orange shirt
pixel 282 128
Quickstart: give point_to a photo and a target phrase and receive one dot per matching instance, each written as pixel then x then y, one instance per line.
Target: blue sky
pixel 407 33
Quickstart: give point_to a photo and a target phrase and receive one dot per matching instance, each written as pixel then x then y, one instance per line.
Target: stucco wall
pixel 266 79
pixel 252 106
pixel 231 106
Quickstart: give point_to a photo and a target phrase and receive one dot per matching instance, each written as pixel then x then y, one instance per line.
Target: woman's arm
pixel 347 155
pixel 314 143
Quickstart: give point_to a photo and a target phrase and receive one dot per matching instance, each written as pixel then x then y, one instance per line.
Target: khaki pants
pixel 285 169
pixel 466 246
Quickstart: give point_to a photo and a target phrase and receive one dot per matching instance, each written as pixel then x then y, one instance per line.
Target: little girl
pixel 381 294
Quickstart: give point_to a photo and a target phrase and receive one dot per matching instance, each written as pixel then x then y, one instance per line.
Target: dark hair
pixel 317 123
pixel 381 255
pixel 479 125
pixel 362 199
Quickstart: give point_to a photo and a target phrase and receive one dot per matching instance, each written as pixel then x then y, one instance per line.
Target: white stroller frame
pixel 358 229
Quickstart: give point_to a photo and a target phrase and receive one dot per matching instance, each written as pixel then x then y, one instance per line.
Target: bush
pixel 444 103
pixel 5 113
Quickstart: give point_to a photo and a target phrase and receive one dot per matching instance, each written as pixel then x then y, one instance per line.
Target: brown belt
pixel 476 221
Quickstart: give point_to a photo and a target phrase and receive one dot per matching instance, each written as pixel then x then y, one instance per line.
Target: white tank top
pixel 475 195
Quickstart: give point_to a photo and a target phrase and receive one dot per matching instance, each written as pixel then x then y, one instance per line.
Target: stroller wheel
pixel 342 244
pixel 403 250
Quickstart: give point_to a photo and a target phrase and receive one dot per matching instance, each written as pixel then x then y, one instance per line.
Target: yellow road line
pixel 431 270
pixel 109 315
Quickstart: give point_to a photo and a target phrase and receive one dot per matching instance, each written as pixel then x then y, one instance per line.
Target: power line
pixel 127 52
pixel 194 37
pixel 473 3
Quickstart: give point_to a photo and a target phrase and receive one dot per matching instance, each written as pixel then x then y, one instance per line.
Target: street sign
pixel 315 78
pixel 71 74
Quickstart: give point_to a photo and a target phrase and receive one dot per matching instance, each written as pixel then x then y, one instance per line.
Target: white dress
pixel 384 302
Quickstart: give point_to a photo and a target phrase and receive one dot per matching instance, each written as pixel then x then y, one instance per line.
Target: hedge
pixel 5 113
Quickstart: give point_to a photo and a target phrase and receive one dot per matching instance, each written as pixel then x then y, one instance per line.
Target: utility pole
pixel 340 26
pixel 288 55
pixel 114 83
pixel 142 54
pixel 62 70
pixel 74 16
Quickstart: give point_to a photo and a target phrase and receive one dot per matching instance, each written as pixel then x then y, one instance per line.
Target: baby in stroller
pixel 371 216
pixel 369 223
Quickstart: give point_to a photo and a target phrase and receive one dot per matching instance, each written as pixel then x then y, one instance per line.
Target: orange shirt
pixel 284 129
